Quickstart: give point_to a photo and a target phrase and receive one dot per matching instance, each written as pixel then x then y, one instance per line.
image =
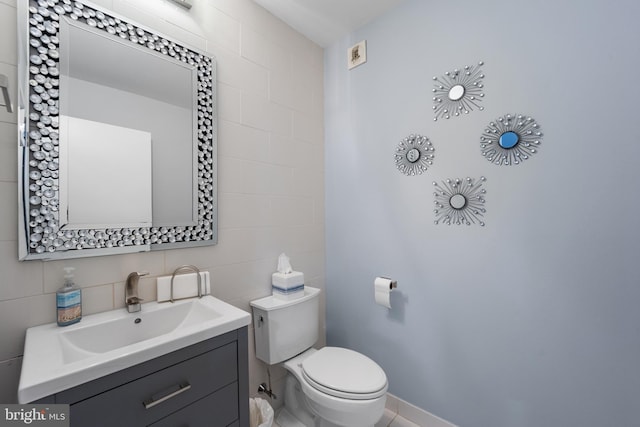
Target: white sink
pixel 57 358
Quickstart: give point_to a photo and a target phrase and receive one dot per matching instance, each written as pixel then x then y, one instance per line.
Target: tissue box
pixel 287 286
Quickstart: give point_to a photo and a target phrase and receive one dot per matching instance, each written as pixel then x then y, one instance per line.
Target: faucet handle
pixel 137 274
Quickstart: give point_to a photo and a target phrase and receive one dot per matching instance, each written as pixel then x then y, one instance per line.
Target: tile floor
pixel 392 419
pixel 389 419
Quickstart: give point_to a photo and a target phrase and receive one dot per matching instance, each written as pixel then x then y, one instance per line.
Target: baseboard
pixel 414 414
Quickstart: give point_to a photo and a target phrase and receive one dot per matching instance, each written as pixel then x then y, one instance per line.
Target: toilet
pixel 328 387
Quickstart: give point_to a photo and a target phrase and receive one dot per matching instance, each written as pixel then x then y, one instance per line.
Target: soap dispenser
pixel 69 300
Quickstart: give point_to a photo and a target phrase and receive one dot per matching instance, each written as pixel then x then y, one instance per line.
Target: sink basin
pixel 56 358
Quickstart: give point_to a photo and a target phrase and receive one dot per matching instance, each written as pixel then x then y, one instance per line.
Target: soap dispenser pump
pixel 69 300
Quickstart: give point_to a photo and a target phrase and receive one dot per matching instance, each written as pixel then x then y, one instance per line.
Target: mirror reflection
pixel 117 133
pixel 508 139
pixel 151 86
pixel 458 201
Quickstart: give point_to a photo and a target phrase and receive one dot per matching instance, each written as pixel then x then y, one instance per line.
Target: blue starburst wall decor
pixel 511 139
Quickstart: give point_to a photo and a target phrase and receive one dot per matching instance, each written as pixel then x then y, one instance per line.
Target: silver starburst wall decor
pixel 414 155
pixel 460 201
pixel 458 92
pixel 510 140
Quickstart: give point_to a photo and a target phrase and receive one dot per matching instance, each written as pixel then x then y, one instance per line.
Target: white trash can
pixel 260 413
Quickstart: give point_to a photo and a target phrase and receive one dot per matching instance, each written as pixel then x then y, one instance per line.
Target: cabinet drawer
pixel 160 392
pixel 218 409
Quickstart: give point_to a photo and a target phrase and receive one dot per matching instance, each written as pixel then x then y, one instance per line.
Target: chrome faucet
pixel 131 298
pixel 193 269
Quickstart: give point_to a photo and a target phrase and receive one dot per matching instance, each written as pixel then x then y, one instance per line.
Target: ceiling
pixel 327 21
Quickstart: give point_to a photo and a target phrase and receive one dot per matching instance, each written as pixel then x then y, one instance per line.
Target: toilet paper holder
pixel 382 290
pixel 393 284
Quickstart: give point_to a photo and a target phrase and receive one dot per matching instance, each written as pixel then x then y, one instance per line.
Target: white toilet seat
pixel 344 373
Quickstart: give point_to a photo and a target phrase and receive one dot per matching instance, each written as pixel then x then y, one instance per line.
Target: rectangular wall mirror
pixel 117 149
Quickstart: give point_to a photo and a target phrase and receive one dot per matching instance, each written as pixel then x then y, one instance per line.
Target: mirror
pixel 508 139
pixel 413 155
pixel 456 92
pixel 458 201
pixel 117 136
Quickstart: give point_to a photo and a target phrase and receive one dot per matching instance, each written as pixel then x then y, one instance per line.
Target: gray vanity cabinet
pixel 205 384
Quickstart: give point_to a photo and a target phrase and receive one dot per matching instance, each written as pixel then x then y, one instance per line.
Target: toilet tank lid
pixel 272 303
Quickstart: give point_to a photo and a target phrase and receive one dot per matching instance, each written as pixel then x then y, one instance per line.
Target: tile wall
pixel 270 177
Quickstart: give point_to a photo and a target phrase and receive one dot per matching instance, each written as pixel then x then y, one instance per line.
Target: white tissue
pixel 284 264
pixel 382 288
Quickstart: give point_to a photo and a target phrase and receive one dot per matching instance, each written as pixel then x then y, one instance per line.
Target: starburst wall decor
pixel 510 140
pixel 460 201
pixel 458 92
pixel 414 154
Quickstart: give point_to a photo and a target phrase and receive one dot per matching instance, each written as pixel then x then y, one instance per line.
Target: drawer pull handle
pixel 148 404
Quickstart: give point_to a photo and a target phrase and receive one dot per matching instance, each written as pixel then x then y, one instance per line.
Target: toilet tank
pixel 283 329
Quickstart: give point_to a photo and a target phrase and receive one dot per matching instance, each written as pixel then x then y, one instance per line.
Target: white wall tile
pixel 19 279
pixel 292 211
pixel 244 210
pixel 254 47
pixel 102 270
pixel 219 28
pixel 303 238
pixel 228 284
pixel 242 74
pixel 245 11
pixel 281 91
pixel 282 151
pixel 8 152
pixel 230 176
pixel 19 314
pixel 8 34
pixel 307 127
pixel 118 295
pixel 10 377
pixel 258 112
pixel 97 299
pixel 306 181
pixel 229 103
pixel 310 156
pixel 9 70
pixel 236 140
pixel 147 287
pixel 9 210
pixel 264 178
pixel 235 245
pixel 166 18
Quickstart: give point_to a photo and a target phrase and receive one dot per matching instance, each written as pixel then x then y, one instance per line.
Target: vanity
pixel 171 364
pixel 205 384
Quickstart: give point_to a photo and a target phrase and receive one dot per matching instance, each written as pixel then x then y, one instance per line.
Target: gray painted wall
pixel 532 320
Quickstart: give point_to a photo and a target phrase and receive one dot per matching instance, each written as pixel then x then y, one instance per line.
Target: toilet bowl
pixel 340 386
pixel 328 387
